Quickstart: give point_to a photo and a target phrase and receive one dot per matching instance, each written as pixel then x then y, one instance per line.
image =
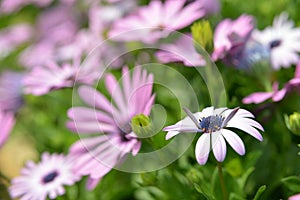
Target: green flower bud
pixel 293 123
pixel 141 126
pixel 202 34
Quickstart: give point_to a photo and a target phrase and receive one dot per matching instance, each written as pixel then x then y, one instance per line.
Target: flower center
pixel 275 43
pixel 211 124
pixel 49 177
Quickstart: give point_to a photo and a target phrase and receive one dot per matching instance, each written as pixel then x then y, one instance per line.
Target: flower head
pixel 230 34
pixel 214 124
pixel 46 178
pixel 43 79
pixel 111 122
pixel 282 39
pixel 156 21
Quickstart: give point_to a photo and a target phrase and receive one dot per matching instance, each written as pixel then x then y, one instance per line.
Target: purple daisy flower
pixel 156 20
pixel 43 79
pixel 98 154
pixel 213 124
pixel 230 34
pixel 282 39
pixel 46 178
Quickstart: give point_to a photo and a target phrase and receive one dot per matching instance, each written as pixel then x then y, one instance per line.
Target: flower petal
pixel 218 146
pixel 234 141
pixel 202 148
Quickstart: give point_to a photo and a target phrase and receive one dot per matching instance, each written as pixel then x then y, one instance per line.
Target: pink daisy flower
pixel 46 178
pixel 97 155
pixel 276 94
pixel 156 21
pixel 213 124
pixel 282 39
pixel 43 79
pixel 230 34
pixel 7 122
pixel 181 50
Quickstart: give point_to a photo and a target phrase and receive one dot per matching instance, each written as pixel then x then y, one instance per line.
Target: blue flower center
pixel 211 124
pixel 49 177
pixel 275 43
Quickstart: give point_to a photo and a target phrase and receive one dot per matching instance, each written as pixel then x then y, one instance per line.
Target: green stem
pixel 222 181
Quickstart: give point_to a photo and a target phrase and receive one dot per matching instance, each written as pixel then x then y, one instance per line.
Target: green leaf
pixel 292 182
pixel 234 167
pixel 260 190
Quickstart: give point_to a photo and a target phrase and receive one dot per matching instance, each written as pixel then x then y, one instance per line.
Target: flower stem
pixel 222 181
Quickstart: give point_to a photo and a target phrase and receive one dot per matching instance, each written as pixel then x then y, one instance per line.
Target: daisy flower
pixel 51 76
pixel 231 33
pixel 182 50
pixel 110 123
pixel 214 124
pixel 156 21
pixel 46 178
pixel 282 39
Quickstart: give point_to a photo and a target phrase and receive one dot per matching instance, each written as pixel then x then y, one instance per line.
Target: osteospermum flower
pixel 156 21
pixel 282 39
pixel 230 34
pixel 111 123
pixel 213 124
pixel 46 178
pixel 43 79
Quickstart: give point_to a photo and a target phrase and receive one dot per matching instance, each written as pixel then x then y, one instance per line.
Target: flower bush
pixel 126 99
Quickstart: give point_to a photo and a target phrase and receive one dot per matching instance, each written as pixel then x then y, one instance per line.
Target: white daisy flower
pixel 213 124
pixel 282 39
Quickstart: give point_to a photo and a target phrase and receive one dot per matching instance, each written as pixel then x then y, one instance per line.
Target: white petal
pixel 203 148
pixel 218 146
pixel 234 141
pixel 248 129
pixel 171 134
pixel 238 120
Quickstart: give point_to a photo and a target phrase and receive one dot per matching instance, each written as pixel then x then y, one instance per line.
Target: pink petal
pixel 95 99
pixel 257 97
pixel 92 183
